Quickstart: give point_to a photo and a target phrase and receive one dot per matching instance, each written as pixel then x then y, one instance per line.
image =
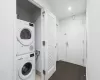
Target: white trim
pixel 36 4
pixel 42 34
pixel 42 39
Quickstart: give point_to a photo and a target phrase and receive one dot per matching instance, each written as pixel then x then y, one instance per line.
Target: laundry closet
pixel 36 41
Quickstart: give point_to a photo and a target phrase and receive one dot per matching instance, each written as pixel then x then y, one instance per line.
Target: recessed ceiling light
pixel 69 8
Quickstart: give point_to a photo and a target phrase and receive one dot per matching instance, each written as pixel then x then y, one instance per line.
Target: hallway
pixel 68 71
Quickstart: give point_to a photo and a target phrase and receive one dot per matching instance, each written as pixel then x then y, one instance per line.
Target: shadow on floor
pixel 68 71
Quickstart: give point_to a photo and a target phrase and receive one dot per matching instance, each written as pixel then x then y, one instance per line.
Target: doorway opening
pixel 29 11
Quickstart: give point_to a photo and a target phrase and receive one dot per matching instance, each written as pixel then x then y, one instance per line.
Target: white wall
pixel 64 29
pixel 38 43
pixel 24 15
pixel 36 15
pixel 7 19
pixel 93 26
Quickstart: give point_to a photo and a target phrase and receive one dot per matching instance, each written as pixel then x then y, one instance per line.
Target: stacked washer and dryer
pixel 25 56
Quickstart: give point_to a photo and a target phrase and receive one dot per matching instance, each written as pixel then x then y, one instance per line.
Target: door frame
pixel 42 38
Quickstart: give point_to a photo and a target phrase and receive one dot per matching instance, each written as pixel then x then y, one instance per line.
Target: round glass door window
pixel 25 34
pixel 26 69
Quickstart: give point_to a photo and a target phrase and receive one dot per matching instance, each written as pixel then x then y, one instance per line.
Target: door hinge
pixel 43 43
pixel 44 72
pixel 43 13
pixel 83 61
pixel 83 41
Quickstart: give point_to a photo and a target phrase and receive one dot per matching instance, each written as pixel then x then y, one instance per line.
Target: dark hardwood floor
pixel 68 71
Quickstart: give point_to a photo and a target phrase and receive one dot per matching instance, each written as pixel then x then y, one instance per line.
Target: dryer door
pixel 25 33
pixel 26 70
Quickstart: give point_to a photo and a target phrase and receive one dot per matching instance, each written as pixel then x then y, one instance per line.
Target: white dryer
pixel 25 37
pixel 25 69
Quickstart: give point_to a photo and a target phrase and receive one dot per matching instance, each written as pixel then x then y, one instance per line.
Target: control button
pixel 31 24
pixel 31 48
pixel 32 55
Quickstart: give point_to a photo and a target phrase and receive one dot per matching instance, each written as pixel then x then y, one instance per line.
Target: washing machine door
pixel 26 70
pixel 25 33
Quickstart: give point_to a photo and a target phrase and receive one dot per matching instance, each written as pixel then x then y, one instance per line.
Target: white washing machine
pixel 25 37
pixel 25 69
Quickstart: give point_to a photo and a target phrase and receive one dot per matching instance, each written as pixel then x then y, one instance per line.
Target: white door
pixel 75 44
pixel 50 44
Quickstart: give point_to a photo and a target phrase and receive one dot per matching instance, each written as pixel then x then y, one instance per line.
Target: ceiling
pixel 60 7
